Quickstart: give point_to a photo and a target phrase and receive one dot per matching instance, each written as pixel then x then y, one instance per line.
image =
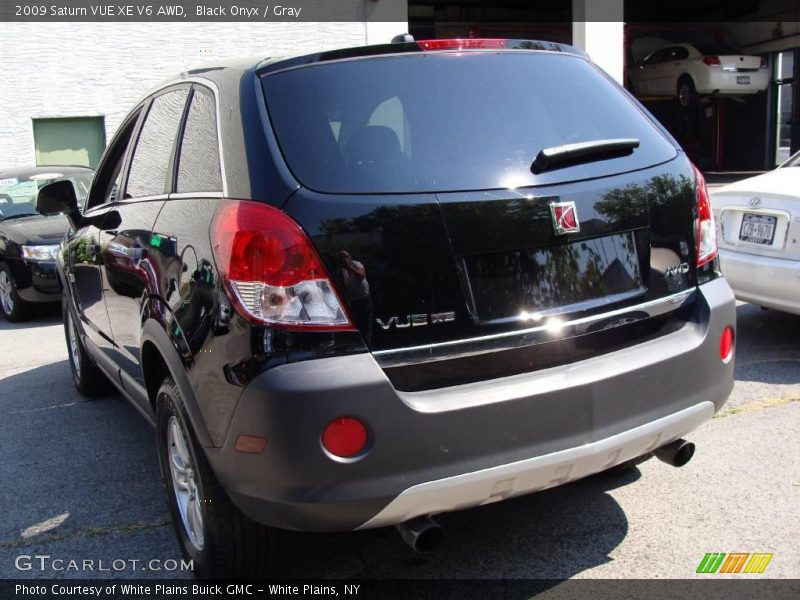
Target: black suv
pixel 359 288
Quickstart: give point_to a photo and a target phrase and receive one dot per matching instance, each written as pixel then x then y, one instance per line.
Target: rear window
pixel 435 122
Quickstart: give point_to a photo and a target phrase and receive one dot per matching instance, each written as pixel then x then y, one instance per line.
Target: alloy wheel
pixel 184 484
pixel 74 349
pixel 6 293
pixel 684 95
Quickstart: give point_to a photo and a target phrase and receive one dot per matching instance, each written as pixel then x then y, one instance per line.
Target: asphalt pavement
pixel 80 483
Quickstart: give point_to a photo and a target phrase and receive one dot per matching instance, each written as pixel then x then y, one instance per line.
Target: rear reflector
pixel 250 444
pixel 345 437
pixel 712 61
pixel 271 270
pixel 726 344
pixel 706 233
pixel 462 44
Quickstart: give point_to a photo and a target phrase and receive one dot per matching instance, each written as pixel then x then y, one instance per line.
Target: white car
pixel 758 231
pixel 689 70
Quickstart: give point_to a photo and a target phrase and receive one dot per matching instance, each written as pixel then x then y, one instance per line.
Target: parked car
pixel 758 222
pixel 28 241
pixel 688 70
pixel 370 290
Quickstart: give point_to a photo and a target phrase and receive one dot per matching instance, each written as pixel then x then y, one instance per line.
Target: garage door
pixel 69 141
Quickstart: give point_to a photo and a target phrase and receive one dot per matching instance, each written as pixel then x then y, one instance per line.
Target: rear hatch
pixel 418 167
pixel 740 63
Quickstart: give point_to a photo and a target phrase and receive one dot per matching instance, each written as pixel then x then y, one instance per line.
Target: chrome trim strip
pixel 198 195
pixel 549 331
pixel 540 472
pixel 577 307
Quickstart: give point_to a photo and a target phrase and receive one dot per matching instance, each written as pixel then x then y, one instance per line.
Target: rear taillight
pixel 764 62
pixel 706 233
pixel 271 270
pixel 462 44
pixel 712 61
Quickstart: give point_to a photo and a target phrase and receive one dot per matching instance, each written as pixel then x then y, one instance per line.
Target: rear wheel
pixel 87 377
pixel 220 540
pixel 14 308
pixel 687 95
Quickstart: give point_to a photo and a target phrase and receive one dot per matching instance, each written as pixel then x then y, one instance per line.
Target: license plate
pixel 744 79
pixel 757 229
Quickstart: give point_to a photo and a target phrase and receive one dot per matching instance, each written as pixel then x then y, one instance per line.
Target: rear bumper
pixel 467 445
pixel 541 472
pixel 724 82
pixel 763 280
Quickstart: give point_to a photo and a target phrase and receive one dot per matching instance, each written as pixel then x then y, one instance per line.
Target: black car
pixel 29 241
pixel 359 288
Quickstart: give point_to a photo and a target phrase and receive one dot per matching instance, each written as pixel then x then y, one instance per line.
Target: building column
pixel 385 19
pixel 598 28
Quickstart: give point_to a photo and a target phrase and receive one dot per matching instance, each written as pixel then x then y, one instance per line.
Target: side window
pixel 680 53
pixel 150 163
pixel 105 186
pixel 198 163
pixel 656 57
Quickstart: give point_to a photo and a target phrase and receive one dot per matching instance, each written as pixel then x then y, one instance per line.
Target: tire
pixel 14 308
pixel 686 93
pixel 89 380
pixel 220 540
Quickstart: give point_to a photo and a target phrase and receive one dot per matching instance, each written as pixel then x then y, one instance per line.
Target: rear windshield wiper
pixel 571 154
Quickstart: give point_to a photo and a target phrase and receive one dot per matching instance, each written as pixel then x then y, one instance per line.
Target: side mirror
pixel 59 198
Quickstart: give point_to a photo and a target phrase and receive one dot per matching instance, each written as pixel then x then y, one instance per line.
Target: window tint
pixel 657 57
pixel 678 53
pixel 390 114
pixel 445 121
pixel 105 187
pixel 198 166
pixel 148 173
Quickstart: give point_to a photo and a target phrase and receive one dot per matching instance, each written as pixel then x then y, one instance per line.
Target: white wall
pixel 380 17
pixel 598 28
pixel 102 69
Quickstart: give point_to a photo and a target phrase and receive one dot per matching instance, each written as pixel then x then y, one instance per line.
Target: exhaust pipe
pixel 423 534
pixel 677 453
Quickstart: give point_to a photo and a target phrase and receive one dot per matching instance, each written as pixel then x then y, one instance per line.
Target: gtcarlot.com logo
pixel 46 562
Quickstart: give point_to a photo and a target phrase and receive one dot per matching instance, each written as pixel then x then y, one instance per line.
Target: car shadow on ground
pixel 553 534
pixel 44 315
pixel 88 464
pixel 767 349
